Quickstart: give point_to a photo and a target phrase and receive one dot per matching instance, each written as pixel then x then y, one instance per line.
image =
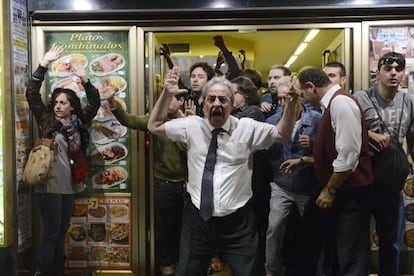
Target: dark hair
pixel 390 58
pixel 50 121
pixel 206 68
pixel 314 75
pixel 254 75
pixel 286 71
pixel 248 89
pixel 337 64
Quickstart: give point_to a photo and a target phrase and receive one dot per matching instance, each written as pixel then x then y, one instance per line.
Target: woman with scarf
pixel 64 120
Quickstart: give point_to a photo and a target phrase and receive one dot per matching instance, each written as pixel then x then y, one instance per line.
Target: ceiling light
pixel 291 60
pixel 300 48
pixel 311 35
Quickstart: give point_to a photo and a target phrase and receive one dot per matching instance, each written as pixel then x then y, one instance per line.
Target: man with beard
pixel 269 99
pixel 220 219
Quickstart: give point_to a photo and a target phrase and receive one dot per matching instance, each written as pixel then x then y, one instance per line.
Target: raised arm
pixel 287 122
pixel 159 114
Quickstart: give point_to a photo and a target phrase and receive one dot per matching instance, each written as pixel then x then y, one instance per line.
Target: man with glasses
pixel 388 111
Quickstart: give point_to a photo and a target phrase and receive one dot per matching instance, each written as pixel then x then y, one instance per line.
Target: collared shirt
pixel 346 122
pixel 233 169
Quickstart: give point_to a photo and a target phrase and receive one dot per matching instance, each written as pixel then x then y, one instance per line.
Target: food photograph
pixel 63 66
pixel 107 64
pixel 116 83
pixel 97 232
pixel 109 177
pixel 120 233
pixel 118 213
pixel 106 132
pixel 108 154
pixel 104 111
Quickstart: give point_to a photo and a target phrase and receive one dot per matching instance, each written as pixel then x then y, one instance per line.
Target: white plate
pixel 115 81
pixel 105 155
pixel 61 67
pixel 106 64
pixel 99 137
pixel 117 212
pixel 104 112
pixel 73 83
pixel 120 171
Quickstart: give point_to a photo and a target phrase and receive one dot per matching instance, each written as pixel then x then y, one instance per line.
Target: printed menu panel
pixel 104 55
pixel 100 233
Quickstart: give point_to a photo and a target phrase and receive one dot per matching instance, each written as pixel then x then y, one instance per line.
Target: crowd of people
pixel 273 183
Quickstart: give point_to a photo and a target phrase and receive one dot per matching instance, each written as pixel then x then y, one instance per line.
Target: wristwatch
pixel 331 189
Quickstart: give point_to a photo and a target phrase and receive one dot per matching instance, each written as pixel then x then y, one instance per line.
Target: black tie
pixel 207 203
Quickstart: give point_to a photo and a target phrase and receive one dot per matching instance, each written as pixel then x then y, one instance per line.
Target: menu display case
pixel 106 220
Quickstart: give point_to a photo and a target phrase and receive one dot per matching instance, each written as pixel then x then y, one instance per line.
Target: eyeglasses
pixel 390 60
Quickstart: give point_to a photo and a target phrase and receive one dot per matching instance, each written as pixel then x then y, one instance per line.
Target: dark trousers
pixel 386 212
pixel 56 210
pixel 350 217
pixel 168 204
pixel 233 237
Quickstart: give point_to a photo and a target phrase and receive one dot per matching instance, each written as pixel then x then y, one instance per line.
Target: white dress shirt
pixel 346 123
pixel 233 169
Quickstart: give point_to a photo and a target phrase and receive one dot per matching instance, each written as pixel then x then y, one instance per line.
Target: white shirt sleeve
pixel 346 122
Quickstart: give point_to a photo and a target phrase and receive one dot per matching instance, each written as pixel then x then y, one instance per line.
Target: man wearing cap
pixel 384 104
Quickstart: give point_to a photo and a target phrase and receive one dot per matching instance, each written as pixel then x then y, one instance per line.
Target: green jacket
pixel 170 158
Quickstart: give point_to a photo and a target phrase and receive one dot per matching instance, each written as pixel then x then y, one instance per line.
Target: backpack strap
pixel 371 96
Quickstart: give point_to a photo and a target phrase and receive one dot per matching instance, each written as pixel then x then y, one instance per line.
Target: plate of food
pixel 63 65
pixel 116 83
pixel 79 210
pixel 120 255
pixel 109 153
pixel 118 211
pixel 98 255
pixel 409 187
pixel 73 83
pixel 119 233
pixel 107 64
pixel 98 212
pixel 106 132
pixel 97 232
pixel 409 238
pixel 77 233
pixel 109 177
pixel 104 112
pixel 409 212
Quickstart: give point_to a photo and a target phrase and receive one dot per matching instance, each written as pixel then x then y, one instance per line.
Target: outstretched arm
pixel 159 114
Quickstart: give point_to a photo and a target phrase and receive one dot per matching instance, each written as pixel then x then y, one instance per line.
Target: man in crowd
pixel 388 112
pixel 344 173
pixel 293 181
pixel 200 73
pixel 269 99
pixel 218 217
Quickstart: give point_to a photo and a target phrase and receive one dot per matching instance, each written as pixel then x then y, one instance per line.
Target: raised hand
pixel 171 82
pixel 79 70
pixel 51 55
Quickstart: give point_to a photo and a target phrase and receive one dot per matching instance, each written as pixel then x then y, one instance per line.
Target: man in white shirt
pixel 231 231
pixel 343 168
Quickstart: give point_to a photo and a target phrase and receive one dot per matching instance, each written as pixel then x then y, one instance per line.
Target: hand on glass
pixel 171 82
pixel 52 55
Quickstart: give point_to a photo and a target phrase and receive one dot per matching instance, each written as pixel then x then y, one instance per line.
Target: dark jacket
pixel 39 109
pixel 302 180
